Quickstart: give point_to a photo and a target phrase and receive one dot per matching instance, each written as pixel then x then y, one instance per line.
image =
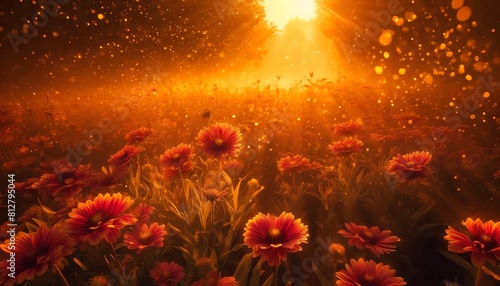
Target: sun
pixel 279 12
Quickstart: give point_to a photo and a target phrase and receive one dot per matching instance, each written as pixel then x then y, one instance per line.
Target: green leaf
pixel 459 261
pixel 241 272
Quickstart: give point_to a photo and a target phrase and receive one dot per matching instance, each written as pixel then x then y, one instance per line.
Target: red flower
pixel 346 147
pixel 138 135
pixel 273 237
pixel 411 166
pixel 142 212
pixel 177 156
pixel 167 273
pixel 213 279
pixel 296 164
pixel 481 239
pixel 143 237
pixel 66 183
pixel 348 127
pixel 102 218
pixel 368 273
pixel 370 238
pixel 220 140
pixel 122 158
pixel 177 159
pixel 36 252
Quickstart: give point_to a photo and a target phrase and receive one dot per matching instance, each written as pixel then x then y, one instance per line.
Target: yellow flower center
pixel 369 277
pixel 218 141
pixel 485 238
pixel 68 181
pixel 145 236
pixel 176 156
pixel 368 234
pixel 274 236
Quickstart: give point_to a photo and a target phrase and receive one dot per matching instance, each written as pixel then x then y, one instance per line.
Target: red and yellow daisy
pixel 273 237
pixel 348 127
pixel 296 164
pixel 214 279
pixel 481 239
pixel 36 252
pixel 138 135
pixel 102 218
pixel 177 156
pixel 142 212
pixel 368 273
pixel 378 242
pixel 220 140
pixel 167 273
pixel 410 166
pixel 66 184
pixel 122 158
pixel 143 237
pixel 346 147
pixel 176 160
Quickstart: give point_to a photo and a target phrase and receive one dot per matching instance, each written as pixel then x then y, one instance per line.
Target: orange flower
pixel 122 158
pixel 273 237
pixel 481 239
pixel 102 218
pixel 411 166
pixel 296 164
pixel 66 184
pixel 346 147
pixel 370 238
pixel 348 127
pixel 214 279
pixel 36 252
pixel 368 273
pixel 167 273
pixel 143 237
pixel 212 194
pixel 220 140
pixel 138 135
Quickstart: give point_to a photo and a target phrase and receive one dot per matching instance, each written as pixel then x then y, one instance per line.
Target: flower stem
pixel 61 275
pixel 122 275
pixel 478 276
pixel 276 275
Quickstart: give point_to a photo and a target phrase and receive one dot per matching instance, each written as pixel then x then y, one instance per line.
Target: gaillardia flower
pixel 167 273
pixel 143 237
pixel 138 135
pixel 273 237
pixel 122 158
pixel 66 183
pixel 346 147
pixel 481 239
pixel 214 278
pixel 102 218
pixel 177 160
pixel 370 238
pixel 410 166
pixel 368 273
pixel 296 164
pixel 348 127
pixel 220 140
pixel 36 252
pixel 142 212
pixel 177 156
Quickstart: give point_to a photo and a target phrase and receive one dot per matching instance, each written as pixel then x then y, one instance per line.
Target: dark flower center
pixel 97 218
pixel 486 242
pixel 274 236
pixel 368 234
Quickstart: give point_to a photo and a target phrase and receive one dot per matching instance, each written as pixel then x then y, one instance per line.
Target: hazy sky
pixel 280 11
